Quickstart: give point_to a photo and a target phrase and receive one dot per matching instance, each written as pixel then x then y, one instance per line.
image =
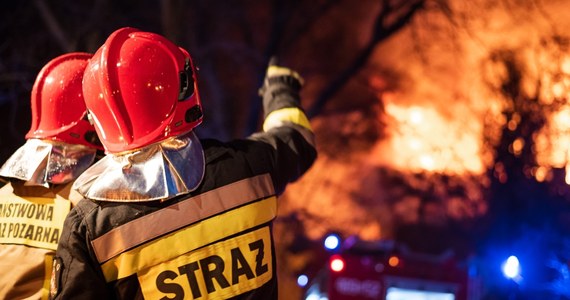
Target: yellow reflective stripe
pixel 47 276
pixel 181 214
pixel 218 271
pixel 190 238
pixel 290 114
pixel 275 71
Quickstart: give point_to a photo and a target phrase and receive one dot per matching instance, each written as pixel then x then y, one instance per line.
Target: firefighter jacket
pixel 214 242
pixel 31 222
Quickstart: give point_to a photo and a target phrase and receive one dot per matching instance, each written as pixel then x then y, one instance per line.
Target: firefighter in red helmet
pixel 33 204
pixel 171 216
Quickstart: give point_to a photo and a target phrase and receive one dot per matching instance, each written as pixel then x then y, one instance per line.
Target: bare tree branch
pixel 53 26
pixel 383 28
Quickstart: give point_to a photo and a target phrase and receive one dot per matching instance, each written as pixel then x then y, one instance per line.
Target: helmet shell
pixel 140 89
pixel 58 108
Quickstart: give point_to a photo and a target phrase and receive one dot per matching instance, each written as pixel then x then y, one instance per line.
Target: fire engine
pixel 386 270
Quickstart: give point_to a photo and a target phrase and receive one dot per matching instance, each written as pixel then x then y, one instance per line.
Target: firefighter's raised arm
pixel 285 125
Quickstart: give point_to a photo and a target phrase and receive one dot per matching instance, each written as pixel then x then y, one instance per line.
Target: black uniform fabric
pixel 283 154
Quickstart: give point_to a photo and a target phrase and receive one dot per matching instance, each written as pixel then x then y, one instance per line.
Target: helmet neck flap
pixel 41 162
pixel 159 171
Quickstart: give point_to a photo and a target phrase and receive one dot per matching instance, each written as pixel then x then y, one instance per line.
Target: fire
pixel 553 143
pixel 449 92
pixel 422 139
pixel 442 104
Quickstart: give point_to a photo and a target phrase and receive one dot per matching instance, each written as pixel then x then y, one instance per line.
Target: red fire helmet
pixel 58 107
pixel 140 89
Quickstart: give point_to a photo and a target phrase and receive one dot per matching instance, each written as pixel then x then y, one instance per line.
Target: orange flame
pixel 423 140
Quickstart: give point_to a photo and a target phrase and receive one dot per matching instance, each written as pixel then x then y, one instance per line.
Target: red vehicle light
pixel 393 261
pixel 336 264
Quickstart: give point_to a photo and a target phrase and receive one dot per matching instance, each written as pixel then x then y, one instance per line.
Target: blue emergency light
pixel 512 267
pixel 332 242
pixel 302 280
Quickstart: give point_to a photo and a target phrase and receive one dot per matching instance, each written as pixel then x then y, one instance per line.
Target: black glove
pixel 281 88
pixel 276 75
